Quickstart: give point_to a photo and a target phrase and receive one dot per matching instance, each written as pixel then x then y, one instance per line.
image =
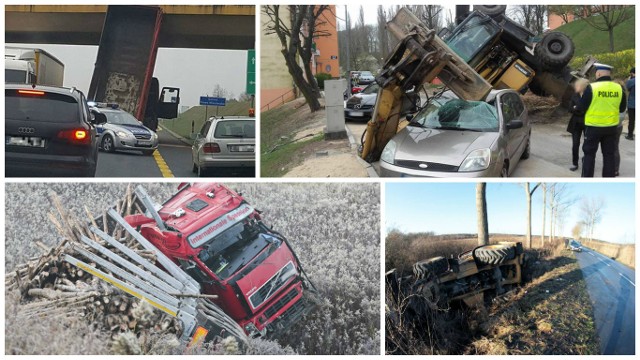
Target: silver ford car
pixel 123 131
pixel 451 137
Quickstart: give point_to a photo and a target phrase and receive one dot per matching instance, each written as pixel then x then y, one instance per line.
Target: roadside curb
pixel 371 172
pixel 179 137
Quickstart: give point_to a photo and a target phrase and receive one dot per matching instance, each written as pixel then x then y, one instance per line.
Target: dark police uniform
pixel 602 101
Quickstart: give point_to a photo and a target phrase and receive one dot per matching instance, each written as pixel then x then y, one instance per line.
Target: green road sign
pixel 251 72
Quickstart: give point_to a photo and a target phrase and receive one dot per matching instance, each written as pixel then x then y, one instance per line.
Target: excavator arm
pixel 420 57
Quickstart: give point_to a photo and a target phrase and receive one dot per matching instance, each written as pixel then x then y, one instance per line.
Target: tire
pixel 491 10
pixel 554 51
pixel 527 151
pixel 107 143
pixel 147 152
pixel 494 254
pixel 436 266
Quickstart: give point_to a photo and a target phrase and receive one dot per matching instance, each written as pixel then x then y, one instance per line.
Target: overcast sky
pixel 194 71
pixel 371 13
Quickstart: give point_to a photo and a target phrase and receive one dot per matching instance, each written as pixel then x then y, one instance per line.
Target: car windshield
pixel 235 247
pixel 471 36
pixel 235 129
pixel 36 105
pixel 371 89
pixel 121 118
pixel 366 73
pixel 456 114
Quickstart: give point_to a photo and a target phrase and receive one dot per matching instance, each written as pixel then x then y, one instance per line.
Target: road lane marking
pixel 629 280
pixel 162 165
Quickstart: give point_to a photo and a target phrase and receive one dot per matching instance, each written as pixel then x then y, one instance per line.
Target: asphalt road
pixel 550 152
pixel 172 159
pixel 611 287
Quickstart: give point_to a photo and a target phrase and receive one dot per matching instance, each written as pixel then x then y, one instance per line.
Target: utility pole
pixel 348 27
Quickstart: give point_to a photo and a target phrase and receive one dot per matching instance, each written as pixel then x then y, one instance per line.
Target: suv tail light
pixel 76 136
pixel 211 148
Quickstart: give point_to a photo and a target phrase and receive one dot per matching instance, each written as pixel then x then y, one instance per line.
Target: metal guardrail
pixel 280 100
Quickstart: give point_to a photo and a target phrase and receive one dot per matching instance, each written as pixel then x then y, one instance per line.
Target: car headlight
pixel 153 135
pixel 477 160
pixel 122 134
pixel 389 152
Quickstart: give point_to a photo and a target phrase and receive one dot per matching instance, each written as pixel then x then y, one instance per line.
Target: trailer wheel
pixel 436 266
pixel 491 10
pixel 554 51
pixel 494 254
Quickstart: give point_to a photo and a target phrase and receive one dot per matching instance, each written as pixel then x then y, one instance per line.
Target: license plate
pixel 144 142
pixel 356 113
pixel 241 148
pixel 28 141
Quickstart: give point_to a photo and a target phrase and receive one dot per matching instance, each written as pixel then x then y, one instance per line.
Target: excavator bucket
pixel 418 59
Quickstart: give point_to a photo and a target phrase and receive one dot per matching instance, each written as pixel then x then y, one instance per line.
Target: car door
pixel 200 140
pixel 510 111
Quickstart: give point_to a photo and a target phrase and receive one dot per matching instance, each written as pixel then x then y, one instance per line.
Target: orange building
pixel 326 59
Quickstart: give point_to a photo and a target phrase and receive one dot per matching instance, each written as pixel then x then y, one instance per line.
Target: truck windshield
pixel 456 114
pixel 471 36
pixel 235 247
pixel 15 76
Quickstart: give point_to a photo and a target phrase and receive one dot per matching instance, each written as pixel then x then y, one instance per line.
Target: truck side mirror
pixel 168 103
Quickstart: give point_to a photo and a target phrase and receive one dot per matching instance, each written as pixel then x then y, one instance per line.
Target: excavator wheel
pixel 491 10
pixel 554 51
pixel 436 266
pixel 494 254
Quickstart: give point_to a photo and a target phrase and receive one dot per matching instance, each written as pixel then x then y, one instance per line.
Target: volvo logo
pixel 357 106
pixel 423 166
pixel 26 130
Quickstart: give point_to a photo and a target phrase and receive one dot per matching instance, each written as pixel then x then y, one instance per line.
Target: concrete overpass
pixel 230 27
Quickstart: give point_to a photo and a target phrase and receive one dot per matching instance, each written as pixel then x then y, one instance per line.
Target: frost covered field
pixel 333 227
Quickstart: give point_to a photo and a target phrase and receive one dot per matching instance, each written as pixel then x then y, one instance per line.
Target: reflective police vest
pixel 605 104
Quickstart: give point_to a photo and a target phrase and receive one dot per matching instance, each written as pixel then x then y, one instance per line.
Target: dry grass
pixel 542 106
pixel 623 253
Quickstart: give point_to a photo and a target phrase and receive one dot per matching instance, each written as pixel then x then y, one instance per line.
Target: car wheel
pixel 108 144
pixel 527 151
pixel 147 152
pixel 505 171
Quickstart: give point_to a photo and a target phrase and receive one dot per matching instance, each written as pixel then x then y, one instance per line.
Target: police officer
pixel 603 101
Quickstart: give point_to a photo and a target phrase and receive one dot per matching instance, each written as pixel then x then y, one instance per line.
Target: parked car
pixel 366 77
pixel 360 106
pixel 225 142
pixel 49 131
pixel 123 131
pixel 451 137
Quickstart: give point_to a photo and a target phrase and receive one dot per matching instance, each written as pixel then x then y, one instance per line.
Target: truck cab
pixel 220 240
pixel 19 72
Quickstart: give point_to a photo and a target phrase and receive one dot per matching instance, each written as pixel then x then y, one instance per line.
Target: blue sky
pixel 451 208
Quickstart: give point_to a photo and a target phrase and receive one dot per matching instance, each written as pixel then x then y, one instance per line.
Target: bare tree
pixel 564 11
pixel 577 230
pixel 383 34
pixel 544 213
pixel 219 91
pixel 296 32
pixel 530 16
pixel 529 192
pixel 607 17
pixel 592 210
pixel 481 210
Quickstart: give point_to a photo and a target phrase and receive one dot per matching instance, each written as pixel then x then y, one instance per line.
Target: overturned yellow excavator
pixel 485 51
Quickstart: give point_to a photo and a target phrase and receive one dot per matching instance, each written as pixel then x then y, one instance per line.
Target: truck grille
pixel 271 287
pixel 411 164
pixel 281 303
pixel 143 136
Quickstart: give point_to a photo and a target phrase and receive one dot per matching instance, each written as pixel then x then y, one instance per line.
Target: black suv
pixel 49 131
